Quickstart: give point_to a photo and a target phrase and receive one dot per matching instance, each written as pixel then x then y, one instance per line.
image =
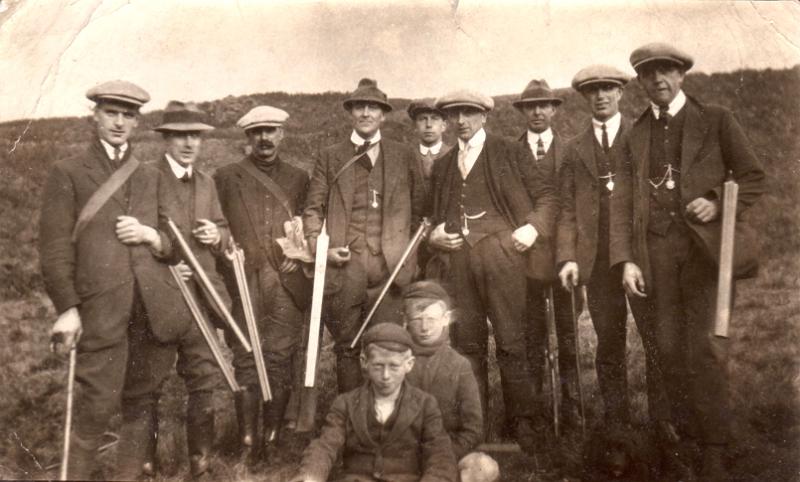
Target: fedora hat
pixel 536 91
pixel 183 117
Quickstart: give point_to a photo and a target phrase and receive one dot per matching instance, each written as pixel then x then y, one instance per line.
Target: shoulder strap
pixel 103 193
pixel 351 161
pixel 268 183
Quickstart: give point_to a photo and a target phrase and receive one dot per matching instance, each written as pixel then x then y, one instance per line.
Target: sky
pixel 52 51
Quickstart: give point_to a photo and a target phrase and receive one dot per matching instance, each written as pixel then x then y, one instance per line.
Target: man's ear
pixel 410 363
pixel 363 358
pixel 449 316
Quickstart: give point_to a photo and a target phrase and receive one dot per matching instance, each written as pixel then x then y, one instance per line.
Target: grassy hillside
pixel 766 327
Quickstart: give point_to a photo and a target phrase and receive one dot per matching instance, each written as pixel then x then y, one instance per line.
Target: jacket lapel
pixel 432 369
pixel 347 179
pixel 252 205
pixel 694 132
pixel 450 170
pixel 392 174
pixel 96 170
pixel 137 188
pixel 408 408
pixel 202 195
pixel 640 144
pixel 359 411
pixel 586 151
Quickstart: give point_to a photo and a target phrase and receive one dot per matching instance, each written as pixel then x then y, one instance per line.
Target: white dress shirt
pixel 475 146
pixel 673 108
pixel 384 406
pixel 374 145
pixel 178 169
pixel 110 149
pixel 432 150
pixel 533 139
pixel 612 127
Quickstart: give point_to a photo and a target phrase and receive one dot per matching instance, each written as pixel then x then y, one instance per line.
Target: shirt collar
pixel 546 136
pixel 674 107
pixel 357 140
pixel 476 140
pixel 110 149
pixel 177 168
pixel 612 124
pixel 434 149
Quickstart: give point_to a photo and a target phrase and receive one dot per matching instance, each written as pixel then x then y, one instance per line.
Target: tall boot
pixel 273 417
pixel 200 433
pixel 348 371
pixel 248 404
pixel 137 444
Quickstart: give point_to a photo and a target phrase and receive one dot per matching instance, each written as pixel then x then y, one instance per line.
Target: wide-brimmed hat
pixel 263 116
pixel 119 91
pixel 465 98
pixel 537 90
pixel 183 117
pixel 599 74
pixel 660 51
pixel 367 91
pixel 418 107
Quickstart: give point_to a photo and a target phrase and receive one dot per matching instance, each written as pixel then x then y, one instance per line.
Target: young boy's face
pixel 386 369
pixel 427 324
pixel 430 127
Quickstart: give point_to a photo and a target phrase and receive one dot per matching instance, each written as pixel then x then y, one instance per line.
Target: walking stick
pixel 68 422
pixel 412 246
pixel 575 316
pixel 551 358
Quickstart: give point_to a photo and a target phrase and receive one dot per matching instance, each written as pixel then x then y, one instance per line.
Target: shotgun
pixel 722 316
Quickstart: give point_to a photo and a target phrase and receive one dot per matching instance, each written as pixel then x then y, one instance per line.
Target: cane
pixel 68 422
pixel 575 316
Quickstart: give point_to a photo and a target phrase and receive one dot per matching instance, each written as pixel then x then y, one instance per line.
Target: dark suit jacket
pixel 403 204
pixel 256 218
pixel 415 449
pixel 98 273
pixel 520 191
pixel 553 160
pixel 580 198
pixel 448 376
pixel 713 144
pixel 421 159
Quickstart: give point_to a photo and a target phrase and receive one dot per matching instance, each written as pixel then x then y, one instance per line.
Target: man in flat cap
pixel 539 104
pixel 430 125
pixel 588 180
pixel 386 429
pixel 261 194
pixel 370 193
pixel 188 197
pixel 665 232
pixel 490 207
pixel 98 235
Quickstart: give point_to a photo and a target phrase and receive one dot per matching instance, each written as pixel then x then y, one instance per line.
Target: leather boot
pixel 713 464
pixel 348 371
pixel 273 418
pixel 137 446
pixel 200 433
pixel 248 404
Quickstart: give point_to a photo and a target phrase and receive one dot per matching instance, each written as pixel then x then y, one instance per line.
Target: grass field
pixel 765 357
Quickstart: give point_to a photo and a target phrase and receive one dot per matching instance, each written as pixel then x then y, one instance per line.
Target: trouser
pixel 362 280
pixel 488 279
pixel 678 314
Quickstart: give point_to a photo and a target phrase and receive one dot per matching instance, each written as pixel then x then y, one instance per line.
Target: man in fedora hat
pixel 370 192
pixel 490 207
pixel 188 197
pixel 666 234
pixel 588 181
pixel 97 236
pixel 538 103
pixel 260 194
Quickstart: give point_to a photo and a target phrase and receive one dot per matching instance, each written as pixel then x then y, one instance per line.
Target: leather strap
pixel 266 181
pixel 351 161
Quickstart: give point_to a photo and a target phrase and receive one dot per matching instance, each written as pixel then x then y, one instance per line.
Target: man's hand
pixel 524 237
pixel 703 210
pixel 338 256
pixel 289 265
pixel 66 331
pixel 633 280
pixel 184 270
pixel 131 232
pixel 569 275
pixel 207 232
pixel 441 239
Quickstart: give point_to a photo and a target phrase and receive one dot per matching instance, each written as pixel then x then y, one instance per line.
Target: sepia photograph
pixel 400 240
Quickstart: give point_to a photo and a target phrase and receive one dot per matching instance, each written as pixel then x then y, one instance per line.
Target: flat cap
pixel 389 336
pixel 263 115
pixel 599 74
pixel 426 290
pixel 660 51
pixel 183 117
pixel 465 98
pixel 368 91
pixel 120 91
pixel 537 90
pixel 418 107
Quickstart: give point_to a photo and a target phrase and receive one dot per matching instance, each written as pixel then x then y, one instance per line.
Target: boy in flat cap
pixel 98 235
pixel 188 197
pixel 430 125
pixel 539 104
pixel 490 207
pixel 261 194
pixel 386 429
pixel 665 233
pixel 439 369
pixel 588 181
pixel 370 193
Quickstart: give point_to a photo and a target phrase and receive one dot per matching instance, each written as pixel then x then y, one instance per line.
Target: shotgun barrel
pixel 68 417
pixel 722 316
pixel 551 359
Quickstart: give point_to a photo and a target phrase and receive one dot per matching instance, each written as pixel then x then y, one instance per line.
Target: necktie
pixel 664 115
pixel 186 177
pixel 540 152
pixel 605 138
pixel 462 161
pixel 117 156
pixel 364 160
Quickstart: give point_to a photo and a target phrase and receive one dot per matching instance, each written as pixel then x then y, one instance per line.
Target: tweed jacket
pixel 520 191
pixel 416 448
pixel 98 274
pixel 448 376
pixel 403 205
pixel 580 198
pixel 713 145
